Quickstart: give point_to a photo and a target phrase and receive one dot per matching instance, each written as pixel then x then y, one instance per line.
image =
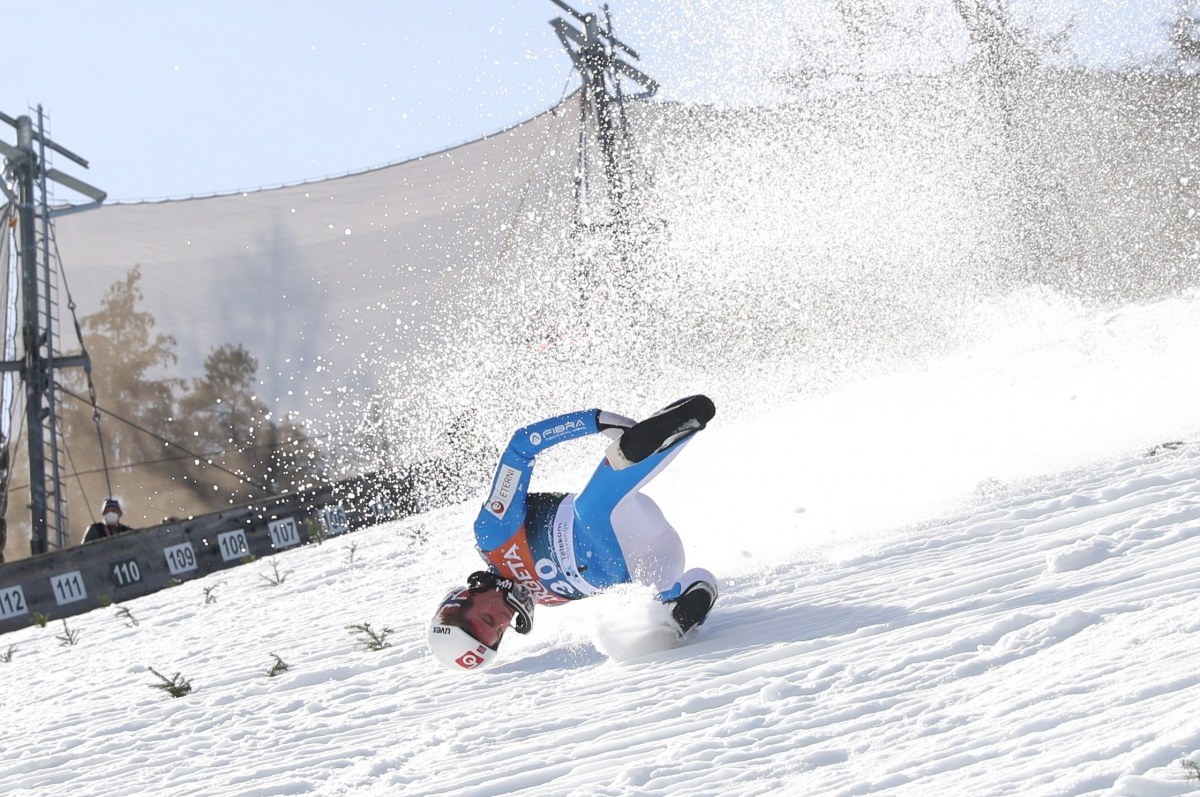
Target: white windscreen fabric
pixel 757 235
pixel 310 277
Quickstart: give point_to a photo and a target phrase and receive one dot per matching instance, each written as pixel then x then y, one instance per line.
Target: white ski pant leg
pixel 651 546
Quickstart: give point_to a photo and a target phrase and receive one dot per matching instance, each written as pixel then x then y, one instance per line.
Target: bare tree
pixel 1184 36
pixel 867 22
pixel 1005 46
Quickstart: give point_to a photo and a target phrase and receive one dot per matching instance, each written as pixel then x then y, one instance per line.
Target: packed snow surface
pixel 971 575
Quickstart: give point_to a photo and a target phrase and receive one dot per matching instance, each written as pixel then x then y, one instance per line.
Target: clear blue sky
pixel 184 97
pixel 176 98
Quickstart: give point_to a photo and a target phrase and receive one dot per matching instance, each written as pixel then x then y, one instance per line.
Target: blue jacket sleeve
pixel 503 512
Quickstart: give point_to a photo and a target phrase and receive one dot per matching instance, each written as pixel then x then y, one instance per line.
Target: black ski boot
pixel 660 430
pixel 692 606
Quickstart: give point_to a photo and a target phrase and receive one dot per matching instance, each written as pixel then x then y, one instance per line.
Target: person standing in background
pixel 110 525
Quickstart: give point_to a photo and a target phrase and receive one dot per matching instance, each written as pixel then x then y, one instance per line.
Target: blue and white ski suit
pixel 566 546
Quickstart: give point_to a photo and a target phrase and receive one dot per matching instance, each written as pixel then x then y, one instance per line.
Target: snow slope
pixel 966 576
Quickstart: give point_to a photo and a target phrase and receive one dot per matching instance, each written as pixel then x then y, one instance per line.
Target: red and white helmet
pixel 452 646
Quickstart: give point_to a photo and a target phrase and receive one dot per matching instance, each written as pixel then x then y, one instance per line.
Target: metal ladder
pixel 49 278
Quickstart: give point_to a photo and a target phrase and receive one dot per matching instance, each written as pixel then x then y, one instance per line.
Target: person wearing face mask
pixel 110 525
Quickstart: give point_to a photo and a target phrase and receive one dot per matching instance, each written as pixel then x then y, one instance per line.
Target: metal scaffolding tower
pixel 25 183
pixel 594 51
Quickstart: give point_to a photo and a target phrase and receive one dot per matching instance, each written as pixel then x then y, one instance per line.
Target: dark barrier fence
pixel 57 585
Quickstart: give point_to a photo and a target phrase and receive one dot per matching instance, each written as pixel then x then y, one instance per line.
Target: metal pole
pixel 597 62
pixel 34 370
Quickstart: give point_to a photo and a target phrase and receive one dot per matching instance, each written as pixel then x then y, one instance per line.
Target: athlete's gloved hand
pixel 612 425
pixel 515 595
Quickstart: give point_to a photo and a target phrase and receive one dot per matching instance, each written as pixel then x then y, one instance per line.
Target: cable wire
pixel 87 370
pixel 160 438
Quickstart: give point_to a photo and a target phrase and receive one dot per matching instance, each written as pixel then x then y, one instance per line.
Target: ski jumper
pixel 566 546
